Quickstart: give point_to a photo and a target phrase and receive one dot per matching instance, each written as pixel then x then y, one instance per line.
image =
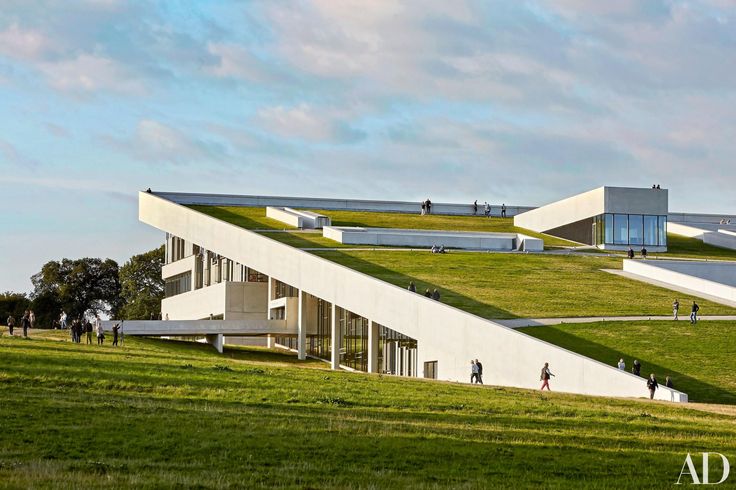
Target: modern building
pixel 614 218
pixel 249 285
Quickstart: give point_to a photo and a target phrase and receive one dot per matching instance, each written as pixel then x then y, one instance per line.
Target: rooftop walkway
pixel 537 322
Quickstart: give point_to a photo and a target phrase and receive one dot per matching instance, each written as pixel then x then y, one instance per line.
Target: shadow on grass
pixel 448 296
pixel 697 389
pixel 239 219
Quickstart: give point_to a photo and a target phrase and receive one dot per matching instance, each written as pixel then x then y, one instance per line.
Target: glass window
pixel 663 231
pixel 608 228
pixel 636 229
pixel 621 229
pixel 650 230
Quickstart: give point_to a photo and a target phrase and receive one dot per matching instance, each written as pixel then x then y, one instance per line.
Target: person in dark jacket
pixel 427 293
pixel 636 369
pixel 88 329
pixel 412 287
pixel 25 322
pixel 480 371
pixel 11 324
pixel 115 331
pixel 436 295
pixel 668 382
pixel 694 313
pixel 652 385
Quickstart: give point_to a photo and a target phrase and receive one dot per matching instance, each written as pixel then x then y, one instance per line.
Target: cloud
pixel 24 44
pixel 88 73
pixel 12 156
pixel 305 122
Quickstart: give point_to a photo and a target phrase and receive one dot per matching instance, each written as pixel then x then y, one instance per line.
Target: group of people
pixel 426 207
pixel 28 320
pixel 79 327
pixel 655 186
pixel 694 309
pixel 487 209
pixel 725 221
pixel 476 372
pixel 643 252
pixel 438 250
pixel 652 383
pixel 435 295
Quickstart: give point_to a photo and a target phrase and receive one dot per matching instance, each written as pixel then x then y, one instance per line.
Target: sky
pixel 521 102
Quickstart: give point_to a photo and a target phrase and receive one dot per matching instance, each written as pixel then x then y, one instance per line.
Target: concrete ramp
pixel 213 330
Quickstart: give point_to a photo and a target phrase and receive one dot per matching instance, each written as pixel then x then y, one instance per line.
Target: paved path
pixel 535 322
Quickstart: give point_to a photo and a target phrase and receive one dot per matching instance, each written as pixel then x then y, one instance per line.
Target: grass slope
pixel 521 285
pixel 701 359
pixel 156 414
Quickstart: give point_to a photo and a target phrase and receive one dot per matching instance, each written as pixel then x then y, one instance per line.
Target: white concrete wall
pixel 179 267
pixel 178 328
pixel 692 231
pixel 711 278
pixel 421 238
pixel 529 244
pixel 335 204
pixel 566 211
pixel 723 238
pixel 234 300
pixel 627 200
pixel 444 334
pixel 286 217
pixel 700 218
pixel 718 239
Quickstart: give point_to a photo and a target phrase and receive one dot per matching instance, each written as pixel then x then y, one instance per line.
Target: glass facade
pixel 354 340
pixel 181 283
pixel 397 353
pixel 318 343
pixel 630 229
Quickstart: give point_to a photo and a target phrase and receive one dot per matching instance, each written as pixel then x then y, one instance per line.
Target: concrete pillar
pixel 217 340
pixel 270 342
pixel 335 334
pixel 372 346
pixel 301 340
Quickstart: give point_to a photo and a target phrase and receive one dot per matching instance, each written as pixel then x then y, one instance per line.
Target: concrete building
pixel 319 308
pixel 613 218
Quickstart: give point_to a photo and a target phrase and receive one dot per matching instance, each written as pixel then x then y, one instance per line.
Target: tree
pixel 13 304
pixel 81 286
pixel 142 287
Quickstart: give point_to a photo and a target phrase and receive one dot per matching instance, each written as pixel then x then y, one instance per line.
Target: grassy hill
pixel 700 359
pixel 155 414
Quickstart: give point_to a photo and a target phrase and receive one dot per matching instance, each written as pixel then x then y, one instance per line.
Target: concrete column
pixel 372 346
pixel 216 340
pixel 335 332
pixel 270 341
pixel 301 340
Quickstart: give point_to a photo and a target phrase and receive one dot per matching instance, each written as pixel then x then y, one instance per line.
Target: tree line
pixel 91 286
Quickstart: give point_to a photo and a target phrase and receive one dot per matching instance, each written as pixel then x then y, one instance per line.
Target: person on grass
pixel 25 322
pixel 694 313
pixel 637 368
pixel 88 329
pixel 115 331
pixel 652 385
pixel 675 308
pixel 621 364
pixel 473 372
pixel 98 330
pixel 545 376
pixel 480 371
pixel 412 287
pixel 11 324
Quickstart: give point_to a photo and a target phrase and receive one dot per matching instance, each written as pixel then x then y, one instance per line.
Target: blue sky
pixel 515 102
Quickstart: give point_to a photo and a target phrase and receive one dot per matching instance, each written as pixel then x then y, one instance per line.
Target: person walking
pixel 480 371
pixel 25 322
pixel 115 331
pixel 98 330
pixel 473 372
pixel 675 308
pixel 32 319
pixel 668 382
pixel 475 207
pixel 545 376
pixel 621 365
pixel 436 295
pixel 427 293
pixel 429 206
pixel 503 210
pixel 652 385
pixel 11 324
pixel 62 320
pixel 630 253
pixel 694 313
pixel 636 369
pixel 424 208
pixel 487 210
pixel 643 252
pixel 412 287
pixel 88 329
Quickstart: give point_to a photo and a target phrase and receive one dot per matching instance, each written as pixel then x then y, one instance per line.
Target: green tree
pixel 81 286
pixel 142 287
pixel 13 304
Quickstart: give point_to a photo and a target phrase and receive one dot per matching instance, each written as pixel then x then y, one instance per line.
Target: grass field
pixel 700 359
pixel 255 218
pixel 164 414
pixel 521 285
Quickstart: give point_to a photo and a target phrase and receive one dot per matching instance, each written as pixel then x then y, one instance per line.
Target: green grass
pixel 255 218
pixel 700 359
pixel 521 285
pixel 164 414
pixel 682 246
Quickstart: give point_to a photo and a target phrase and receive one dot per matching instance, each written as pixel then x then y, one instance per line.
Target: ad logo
pixel 688 469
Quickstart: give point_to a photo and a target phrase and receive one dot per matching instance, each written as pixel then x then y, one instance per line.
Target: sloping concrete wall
pixel 444 334
pixel 716 279
pixel 334 204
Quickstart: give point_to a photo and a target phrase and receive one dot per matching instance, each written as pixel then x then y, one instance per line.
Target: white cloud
pixel 89 73
pixel 23 44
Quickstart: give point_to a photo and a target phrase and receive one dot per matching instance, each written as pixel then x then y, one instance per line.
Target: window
pixel 283 290
pixel 255 276
pixel 430 369
pixel 650 230
pixel 608 228
pixel 621 229
pixel 636 229
pixel 663 231
pixel 181 283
